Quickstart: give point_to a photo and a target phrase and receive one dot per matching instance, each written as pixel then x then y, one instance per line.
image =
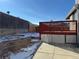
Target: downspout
pixel 77 25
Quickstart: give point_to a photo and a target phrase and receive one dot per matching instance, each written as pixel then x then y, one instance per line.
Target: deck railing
pixel 58 27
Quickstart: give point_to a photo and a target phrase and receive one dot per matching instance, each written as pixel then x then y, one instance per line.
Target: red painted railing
pixel 57 27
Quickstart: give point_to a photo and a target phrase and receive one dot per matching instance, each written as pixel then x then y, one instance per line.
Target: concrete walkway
pixel 47 51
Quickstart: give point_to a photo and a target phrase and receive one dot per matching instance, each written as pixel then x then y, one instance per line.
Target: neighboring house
pixel 11 25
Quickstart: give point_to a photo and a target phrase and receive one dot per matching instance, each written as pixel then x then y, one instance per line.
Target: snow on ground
pixel 17 36
pixel 29 34
pixel 26 53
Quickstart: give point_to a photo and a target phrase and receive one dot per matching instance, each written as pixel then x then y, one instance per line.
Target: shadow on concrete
pixel 70 47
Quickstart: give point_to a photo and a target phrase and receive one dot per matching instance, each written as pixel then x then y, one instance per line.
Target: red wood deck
pixel 57 27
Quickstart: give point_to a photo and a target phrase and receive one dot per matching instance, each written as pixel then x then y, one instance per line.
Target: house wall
pixel 76 1
pixel 5 31
pixel 58 38
pixel 75 16
pixel 72 26
pixel 71 18
pixel 78 27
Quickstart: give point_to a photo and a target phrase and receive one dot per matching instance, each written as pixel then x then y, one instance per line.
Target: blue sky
pixel 37 10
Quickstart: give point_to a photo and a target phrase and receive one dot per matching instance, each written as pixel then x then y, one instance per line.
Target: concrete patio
pixel 47 51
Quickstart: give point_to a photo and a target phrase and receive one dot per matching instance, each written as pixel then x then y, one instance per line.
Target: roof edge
pixel 74 8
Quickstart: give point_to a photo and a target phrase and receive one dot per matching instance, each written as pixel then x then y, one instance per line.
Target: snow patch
pixel 25 53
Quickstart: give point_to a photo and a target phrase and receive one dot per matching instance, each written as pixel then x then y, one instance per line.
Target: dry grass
pixel 15 45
